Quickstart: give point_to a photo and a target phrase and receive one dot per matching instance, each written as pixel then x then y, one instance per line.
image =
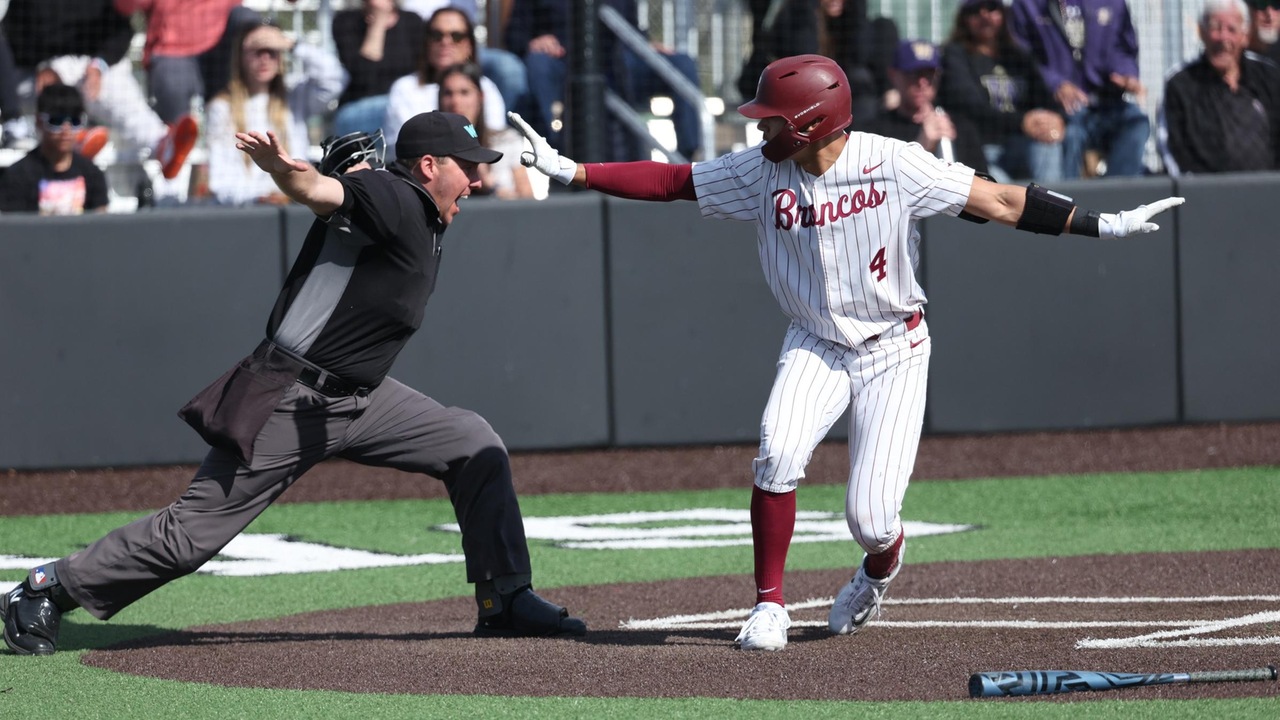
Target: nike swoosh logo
pixel 918 342
pixel 766 590
pixel 867 170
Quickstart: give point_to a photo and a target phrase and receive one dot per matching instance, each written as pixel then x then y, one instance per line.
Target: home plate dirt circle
pixel 1150 613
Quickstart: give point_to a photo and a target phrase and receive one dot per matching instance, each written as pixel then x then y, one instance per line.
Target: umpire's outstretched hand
pixel 268 153
pixel 544 158
pixel 1136 221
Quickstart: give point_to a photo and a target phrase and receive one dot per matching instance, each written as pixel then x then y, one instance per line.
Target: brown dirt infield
pixel 426 647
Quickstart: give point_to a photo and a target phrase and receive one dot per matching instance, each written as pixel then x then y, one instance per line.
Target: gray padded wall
pixel 696 332
pixel 516 328
pixel 1229 258
pixel 1036 332
pixel 113 322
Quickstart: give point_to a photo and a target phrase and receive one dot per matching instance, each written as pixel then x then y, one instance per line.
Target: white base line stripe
pixel 1159 638
pixel 1177 636
pixel 670 624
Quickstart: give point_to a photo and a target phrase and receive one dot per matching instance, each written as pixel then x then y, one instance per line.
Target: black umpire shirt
pixel 1212 129
pixel 359 287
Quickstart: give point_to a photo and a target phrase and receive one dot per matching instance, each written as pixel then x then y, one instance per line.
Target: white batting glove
pixel 544 158
pixel 1134 222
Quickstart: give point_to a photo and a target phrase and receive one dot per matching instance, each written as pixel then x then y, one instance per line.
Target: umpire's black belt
pixel 317 378
pixel 328 384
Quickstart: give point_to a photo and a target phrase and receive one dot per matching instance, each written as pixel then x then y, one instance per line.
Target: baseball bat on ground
pixel 1049 682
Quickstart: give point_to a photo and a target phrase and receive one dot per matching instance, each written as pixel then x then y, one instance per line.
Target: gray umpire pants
pixel 394 426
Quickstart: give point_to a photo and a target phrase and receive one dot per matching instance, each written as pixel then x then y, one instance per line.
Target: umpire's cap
pixel 442 134
pixel 343 151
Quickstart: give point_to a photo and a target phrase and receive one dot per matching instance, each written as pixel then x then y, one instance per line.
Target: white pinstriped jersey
pixel 839 251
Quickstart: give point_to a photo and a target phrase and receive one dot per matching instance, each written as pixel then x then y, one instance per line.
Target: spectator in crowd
pixel 84 44
pixel 461 93
pixel 450 40
pixel 864 48
pixel 779 28
pixel 1222 110
pixel 914 75
pixel 1087 52
pixel 990 81
pixel 377 44
pixel 259 95
pixel 504 68
pixel 54 179
pixel 187 53
pixel 540 30
pixel 1264 28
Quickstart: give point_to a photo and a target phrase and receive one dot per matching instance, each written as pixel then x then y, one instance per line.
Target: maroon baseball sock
pixel 773 521
pixel 881 565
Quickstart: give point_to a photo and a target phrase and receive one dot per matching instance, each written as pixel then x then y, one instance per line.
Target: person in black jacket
pixel 1222 110
pixel 916 118
pixel 378 44
pixel 990 81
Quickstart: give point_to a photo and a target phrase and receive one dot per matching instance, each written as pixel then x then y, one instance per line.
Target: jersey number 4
pixel 877 265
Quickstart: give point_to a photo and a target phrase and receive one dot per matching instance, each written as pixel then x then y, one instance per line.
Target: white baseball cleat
pixel 858 602
pixel 766 629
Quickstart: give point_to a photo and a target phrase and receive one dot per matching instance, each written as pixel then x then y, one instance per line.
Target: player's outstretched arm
pixel 641 180
pixel 544 158
pixel 1039 210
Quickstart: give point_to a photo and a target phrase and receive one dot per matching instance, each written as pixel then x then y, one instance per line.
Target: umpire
pixel 316 388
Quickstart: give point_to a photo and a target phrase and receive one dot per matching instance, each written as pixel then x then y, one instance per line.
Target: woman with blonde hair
pixel 461 92
pixel 260 95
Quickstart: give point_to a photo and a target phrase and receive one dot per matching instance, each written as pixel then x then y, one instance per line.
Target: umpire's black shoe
pixel 524 614
pixel 31 621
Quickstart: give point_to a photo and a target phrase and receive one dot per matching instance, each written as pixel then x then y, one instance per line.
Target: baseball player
pixel 316 388
pixel 836 218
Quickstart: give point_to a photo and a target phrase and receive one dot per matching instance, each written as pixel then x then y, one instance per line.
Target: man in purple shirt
pixel 1087 51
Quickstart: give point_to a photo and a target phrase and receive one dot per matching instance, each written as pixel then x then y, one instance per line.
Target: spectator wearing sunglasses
pixel 54 179
pixel 1264 28
pixel 990 81
pixel 261 95
pixel 450 40
pixel 85 44
pixel 503 67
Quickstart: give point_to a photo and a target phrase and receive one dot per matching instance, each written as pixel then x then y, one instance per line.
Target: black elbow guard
pixel 1045 212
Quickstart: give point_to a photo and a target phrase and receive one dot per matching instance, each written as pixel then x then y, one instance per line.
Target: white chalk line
pixel 1175 637
pixel 1209 626
pixel 988 624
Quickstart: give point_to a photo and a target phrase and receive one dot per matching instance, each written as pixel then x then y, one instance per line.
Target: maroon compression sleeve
pixel 645 180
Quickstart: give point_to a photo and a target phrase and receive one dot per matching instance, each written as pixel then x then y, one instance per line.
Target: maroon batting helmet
pixel 801 90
